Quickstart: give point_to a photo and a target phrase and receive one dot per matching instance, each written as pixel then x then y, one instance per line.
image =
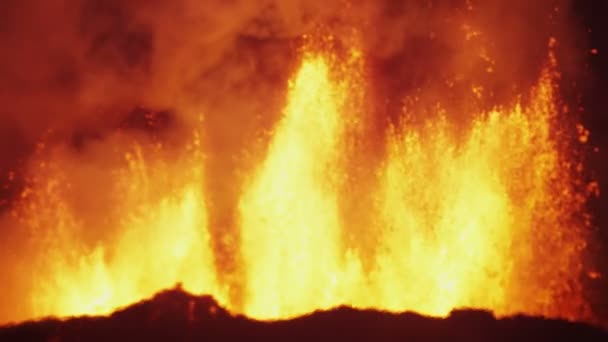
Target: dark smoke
pixel 79 67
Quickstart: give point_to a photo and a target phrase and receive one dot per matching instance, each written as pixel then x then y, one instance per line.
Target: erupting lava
pixel 480 216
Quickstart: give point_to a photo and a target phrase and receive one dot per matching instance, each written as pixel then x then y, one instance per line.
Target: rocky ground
pixel 175 315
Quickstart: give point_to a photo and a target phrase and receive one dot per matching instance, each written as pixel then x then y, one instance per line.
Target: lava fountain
pixel 478 215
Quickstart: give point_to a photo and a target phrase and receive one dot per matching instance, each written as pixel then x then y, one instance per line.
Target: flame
pixel 474 217
pixel 163 237
pixel 290 219
pixel 454 211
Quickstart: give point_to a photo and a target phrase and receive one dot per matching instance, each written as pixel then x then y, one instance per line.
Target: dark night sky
pixel 592 14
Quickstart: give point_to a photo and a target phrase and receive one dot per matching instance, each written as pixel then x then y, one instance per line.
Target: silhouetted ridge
pixel 176 315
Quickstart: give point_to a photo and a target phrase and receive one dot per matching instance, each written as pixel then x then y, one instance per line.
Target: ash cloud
pixel 71 64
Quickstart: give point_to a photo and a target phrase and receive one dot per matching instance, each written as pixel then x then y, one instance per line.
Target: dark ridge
pixel 175 315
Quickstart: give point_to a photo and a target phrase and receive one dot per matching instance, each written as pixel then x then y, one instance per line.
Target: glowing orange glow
pixel 162 238
pixel 290 219
pixel 454 212
pixel 473 217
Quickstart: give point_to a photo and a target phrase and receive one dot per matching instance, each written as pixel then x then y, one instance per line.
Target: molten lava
pixel 290 222
pixel 474 217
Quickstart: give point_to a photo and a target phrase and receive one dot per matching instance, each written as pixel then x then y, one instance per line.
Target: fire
pixel 455 212
pixel 474 217
pixel 162 239
pixel 290 219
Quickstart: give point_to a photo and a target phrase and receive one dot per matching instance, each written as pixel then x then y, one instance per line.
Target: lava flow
pixel 477 215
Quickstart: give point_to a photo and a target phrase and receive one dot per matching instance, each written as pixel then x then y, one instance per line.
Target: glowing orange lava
pixel 479 218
